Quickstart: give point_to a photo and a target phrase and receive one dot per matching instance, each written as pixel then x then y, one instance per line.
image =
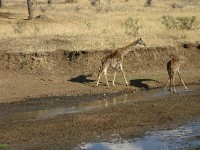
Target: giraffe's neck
pixel 128 48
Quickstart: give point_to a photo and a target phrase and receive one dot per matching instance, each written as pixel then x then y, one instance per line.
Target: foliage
pixel 131 26
pixel 4 146
pixel 183 23
pixel 20 26
pixel 22 64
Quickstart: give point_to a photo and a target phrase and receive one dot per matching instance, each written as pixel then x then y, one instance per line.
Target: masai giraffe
pixel 173 66
pixel 115 59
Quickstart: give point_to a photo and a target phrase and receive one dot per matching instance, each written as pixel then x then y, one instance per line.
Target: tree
pixel 1 3
pixel 30 9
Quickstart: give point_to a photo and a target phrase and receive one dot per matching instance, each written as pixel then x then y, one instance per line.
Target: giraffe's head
pixel 140 42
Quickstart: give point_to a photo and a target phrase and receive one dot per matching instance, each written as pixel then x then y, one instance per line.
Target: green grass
pixel 4 146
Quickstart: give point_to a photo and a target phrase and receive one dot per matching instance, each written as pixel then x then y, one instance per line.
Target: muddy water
pixel 185 137
pixel 95 104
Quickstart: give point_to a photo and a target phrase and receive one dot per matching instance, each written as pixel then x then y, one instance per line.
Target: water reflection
pixel 95 104
pixel 50 113
pixel 111 146
pixel 184 137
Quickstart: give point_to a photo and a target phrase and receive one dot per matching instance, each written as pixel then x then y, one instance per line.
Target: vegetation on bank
pixel 97 25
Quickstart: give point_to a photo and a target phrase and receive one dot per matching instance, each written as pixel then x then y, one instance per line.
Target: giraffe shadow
pixel 81 79
pixel 139 83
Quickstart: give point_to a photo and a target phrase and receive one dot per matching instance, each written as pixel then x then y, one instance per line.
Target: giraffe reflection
pixel 113 101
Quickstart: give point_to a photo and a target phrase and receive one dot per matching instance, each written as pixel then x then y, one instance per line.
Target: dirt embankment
pixel 88 62
pixel 71 73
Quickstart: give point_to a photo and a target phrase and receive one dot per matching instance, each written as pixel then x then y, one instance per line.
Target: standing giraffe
pixel 115 59
pixel 173 66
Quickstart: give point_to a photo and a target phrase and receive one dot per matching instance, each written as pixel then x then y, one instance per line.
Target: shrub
pixel 70 1
pixel 4 146
pixel 94 2
pixel 183 23
pixel 103 9
pixel 20 27
pixel 186 23
pixel 148 3
pixel 131 26
pixel 177 5
pixel 99 9
pixel 77 8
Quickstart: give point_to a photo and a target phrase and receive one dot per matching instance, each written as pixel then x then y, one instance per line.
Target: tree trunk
pixel 49 1
pixel 30 9
pixel 1 3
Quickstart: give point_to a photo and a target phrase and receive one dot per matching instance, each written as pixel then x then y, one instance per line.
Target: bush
pixel 131 26
pixel 94 2
pixel 77 8
pixel 177 5
pixel 183 23
pixel 4 146
pixel 20 27
pixel 148 3
pixel 70 1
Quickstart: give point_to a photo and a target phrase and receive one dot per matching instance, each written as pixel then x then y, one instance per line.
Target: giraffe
pixel 115 59
pixel 173 66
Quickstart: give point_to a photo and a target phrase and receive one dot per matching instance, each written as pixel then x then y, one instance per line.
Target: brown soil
pixel 28 79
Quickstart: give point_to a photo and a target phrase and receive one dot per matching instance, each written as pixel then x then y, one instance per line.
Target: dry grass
pixel 80 26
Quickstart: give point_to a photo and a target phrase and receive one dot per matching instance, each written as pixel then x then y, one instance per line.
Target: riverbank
pixel 40 81
pixel 25 76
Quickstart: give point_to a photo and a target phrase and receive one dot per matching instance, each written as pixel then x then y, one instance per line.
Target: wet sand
pixel 127 120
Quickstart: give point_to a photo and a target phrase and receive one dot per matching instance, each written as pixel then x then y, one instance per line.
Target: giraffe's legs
pixel 182 80
pixel 114 77
pixel 105 74
pixel 166 85
pixel 103 70
pixel 173 81
pixel 170 83
pixel 99 77
pixel 123 74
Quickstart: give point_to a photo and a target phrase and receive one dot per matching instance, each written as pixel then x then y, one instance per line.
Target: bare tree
pixel 1 3
pixel 30 9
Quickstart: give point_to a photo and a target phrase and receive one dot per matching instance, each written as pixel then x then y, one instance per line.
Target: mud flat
pixel 124 117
